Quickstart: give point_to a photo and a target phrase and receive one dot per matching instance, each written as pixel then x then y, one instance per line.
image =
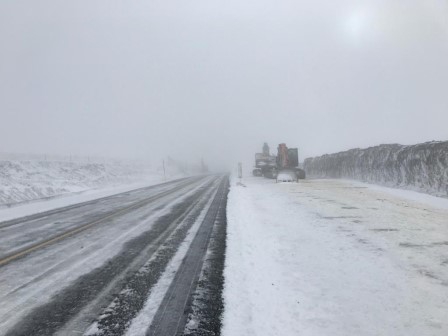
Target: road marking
pixel 57 238
pixel 170 317
pixel 37 216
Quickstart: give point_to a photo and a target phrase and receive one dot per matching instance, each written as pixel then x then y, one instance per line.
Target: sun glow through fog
pixel 359 23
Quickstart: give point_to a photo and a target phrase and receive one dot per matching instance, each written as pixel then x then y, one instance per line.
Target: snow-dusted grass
pixel 27 181
pixel 29 187
pixel 24 181
pixel 331 257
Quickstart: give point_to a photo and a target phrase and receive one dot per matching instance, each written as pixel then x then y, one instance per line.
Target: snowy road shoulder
pixel 39 206
pixel 329 257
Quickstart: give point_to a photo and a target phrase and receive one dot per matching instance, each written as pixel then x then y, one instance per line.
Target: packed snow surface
pixel 333 257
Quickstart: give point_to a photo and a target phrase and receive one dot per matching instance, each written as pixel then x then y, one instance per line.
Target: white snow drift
pixel 422 167
pixel 28 180
pixel 331 257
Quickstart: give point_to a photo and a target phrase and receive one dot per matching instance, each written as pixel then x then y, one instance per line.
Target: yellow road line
pixel 45 243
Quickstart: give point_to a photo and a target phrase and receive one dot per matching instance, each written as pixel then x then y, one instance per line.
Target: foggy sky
pixel 216 79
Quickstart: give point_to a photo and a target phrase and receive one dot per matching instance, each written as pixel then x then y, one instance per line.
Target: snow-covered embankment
pixel 28 180
pixel 422 167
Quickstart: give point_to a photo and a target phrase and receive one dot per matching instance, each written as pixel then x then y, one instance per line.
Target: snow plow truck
pixel 284 167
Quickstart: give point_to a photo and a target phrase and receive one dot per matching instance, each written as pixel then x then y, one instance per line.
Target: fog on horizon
pixel 214 80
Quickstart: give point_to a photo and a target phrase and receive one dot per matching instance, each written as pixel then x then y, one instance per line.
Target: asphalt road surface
pixel 128 264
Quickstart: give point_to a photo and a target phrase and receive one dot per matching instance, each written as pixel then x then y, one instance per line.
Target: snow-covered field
pixel 25 181
pixel 333 257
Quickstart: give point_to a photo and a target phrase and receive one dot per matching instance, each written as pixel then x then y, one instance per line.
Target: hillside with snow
pixel 421 167
pixel 23 181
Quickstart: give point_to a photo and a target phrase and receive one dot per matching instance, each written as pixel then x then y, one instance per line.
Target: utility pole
pixel 240 170
pixel 164 172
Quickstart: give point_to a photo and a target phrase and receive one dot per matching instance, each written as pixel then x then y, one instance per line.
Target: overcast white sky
pixel 218 78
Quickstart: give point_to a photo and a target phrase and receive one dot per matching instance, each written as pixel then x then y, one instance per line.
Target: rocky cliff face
pixel 422 167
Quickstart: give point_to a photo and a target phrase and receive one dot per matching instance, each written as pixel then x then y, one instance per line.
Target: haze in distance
pixel 213 79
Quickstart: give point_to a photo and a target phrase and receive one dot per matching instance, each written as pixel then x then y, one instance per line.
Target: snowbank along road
pixel 335 258
pixel 117 265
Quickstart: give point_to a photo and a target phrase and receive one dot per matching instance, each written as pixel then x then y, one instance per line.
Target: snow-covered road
pixel 332 257
pixel 321 257
pixel 57 283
